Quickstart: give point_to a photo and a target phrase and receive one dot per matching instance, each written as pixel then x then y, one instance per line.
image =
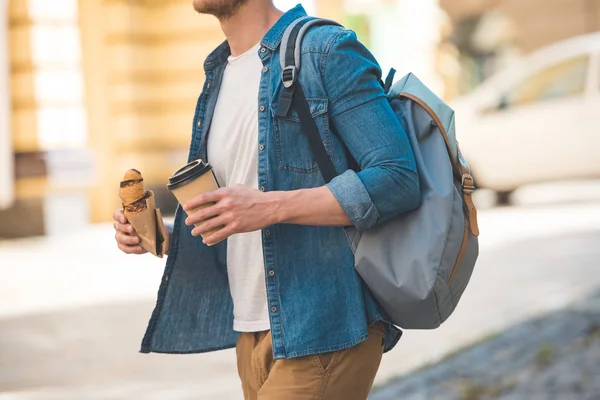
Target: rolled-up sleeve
pixel 387 183
pixel 355 200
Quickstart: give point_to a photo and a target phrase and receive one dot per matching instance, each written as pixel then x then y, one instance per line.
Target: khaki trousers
pixel 341 375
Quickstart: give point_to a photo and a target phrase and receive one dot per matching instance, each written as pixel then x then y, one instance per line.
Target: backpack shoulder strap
pixel 290 57
pixel 292 94
pixel 288 42
pixel 291 44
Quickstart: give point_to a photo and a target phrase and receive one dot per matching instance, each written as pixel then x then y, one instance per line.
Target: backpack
pixel 416 265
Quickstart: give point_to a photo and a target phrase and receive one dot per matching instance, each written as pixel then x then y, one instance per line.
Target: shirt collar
pixel 275 34
pixel 218 56
pixel 271 40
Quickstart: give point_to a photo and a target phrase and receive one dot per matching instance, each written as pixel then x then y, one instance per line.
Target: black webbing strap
pixel 389 81
pixel 289 74
pixel 291 45
pixel 293 95
pixel 310 129
pixel 285 101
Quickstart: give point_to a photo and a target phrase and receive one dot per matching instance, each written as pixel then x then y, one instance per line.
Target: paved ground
pixel 554 357
pixel 73 310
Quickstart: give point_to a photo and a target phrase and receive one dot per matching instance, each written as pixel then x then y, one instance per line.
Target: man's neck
pixel 249 25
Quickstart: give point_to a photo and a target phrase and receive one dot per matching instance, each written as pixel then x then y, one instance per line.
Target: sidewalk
pixel 70 271
pixel 555 356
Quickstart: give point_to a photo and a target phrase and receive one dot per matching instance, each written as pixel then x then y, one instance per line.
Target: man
pixel 283 288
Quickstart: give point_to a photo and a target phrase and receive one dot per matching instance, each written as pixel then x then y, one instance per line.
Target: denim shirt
pixel 316 300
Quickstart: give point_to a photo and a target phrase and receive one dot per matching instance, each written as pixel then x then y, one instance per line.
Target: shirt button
pixel 166 278
pixel 262 188
pixel 266 69
pixel 263 50
pixel 273 309
pixel 261 147
pixel 208 85
pixel 262 108
pixel 199 123
pixel 268 232
pixel 271 273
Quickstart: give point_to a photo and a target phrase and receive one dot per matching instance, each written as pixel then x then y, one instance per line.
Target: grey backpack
pixel 416 265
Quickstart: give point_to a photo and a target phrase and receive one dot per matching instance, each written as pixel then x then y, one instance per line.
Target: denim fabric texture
pixel 317 301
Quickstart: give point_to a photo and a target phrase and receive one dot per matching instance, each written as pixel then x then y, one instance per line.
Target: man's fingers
pixel 210 225
pixel 131 249
pixel 202 215
pixel 125 228
pixel 119 217
pixel 210 197
pixel 218 236
pixel 137 250
pixel 127 239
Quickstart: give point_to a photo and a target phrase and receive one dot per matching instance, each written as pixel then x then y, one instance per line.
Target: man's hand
pixel 238 209
pixel 127 239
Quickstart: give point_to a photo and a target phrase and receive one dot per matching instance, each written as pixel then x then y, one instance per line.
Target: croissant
pixel 133 193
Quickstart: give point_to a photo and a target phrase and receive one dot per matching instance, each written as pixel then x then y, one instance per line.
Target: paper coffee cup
pixel 192 180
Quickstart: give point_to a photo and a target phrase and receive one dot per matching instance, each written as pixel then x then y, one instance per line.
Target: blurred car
pixel 536 121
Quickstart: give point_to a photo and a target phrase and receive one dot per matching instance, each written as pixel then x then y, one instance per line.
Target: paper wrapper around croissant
pixel 150 227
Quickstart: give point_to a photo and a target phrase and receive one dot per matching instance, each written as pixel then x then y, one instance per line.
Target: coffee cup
pixel 192 180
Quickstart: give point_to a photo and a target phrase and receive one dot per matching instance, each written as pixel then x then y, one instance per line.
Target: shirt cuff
pixel 354 199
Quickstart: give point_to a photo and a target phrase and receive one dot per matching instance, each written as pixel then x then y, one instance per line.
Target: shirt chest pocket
pixel 293 149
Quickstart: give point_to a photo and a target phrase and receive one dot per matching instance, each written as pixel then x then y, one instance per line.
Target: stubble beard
pixel 222 9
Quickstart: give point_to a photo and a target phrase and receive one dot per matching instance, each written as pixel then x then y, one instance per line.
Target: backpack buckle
pixel 289 76
pixel 468 184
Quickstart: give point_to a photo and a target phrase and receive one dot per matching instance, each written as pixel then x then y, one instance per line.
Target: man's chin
pixel 199 6
pixel 222 9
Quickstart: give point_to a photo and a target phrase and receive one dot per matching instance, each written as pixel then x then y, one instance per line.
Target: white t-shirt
pixel 233 153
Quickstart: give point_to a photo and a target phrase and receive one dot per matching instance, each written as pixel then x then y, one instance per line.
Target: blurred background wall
pixel 101 86
pixel 49 137
pixel 6 164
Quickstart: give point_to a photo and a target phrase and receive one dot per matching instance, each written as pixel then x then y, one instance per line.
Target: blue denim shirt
pixel 317 302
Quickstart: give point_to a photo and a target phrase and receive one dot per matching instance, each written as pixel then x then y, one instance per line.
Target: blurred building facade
pixel 47 117
pixel 6 164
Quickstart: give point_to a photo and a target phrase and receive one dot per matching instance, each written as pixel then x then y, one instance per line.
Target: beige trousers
pixel 341 375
